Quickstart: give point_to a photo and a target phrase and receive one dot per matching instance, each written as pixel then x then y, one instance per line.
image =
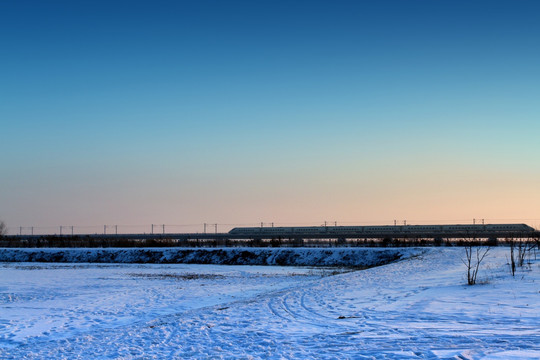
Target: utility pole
pixel 32 230
pixel 60 229
pixel 104 229
pixel 20 230
pixel 152 229
pixel 205 228
pixel 216 227
pixel 261 224
pixel 71 230
pixel 164 228
pixel 116 229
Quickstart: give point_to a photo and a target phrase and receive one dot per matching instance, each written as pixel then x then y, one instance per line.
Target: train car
pixel 385 230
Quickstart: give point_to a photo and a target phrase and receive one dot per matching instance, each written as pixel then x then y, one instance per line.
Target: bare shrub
pixel 520 250
pixel 186 276
pixel 473 257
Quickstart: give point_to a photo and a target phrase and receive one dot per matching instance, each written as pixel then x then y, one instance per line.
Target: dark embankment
pixel 350 257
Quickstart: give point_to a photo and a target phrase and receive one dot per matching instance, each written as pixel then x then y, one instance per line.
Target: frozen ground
pixel 413 309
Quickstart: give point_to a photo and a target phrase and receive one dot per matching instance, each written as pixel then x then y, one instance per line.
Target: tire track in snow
pixel 292 303
pixel 310 310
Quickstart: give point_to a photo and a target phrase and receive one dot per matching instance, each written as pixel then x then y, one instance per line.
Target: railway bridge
pixel 285 235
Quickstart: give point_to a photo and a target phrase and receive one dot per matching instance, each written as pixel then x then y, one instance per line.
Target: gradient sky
pixel 293 112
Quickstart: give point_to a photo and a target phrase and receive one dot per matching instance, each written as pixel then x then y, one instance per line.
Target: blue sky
pixel 132 112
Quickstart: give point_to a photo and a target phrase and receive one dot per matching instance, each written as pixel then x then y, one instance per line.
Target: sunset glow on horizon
pixel 184 113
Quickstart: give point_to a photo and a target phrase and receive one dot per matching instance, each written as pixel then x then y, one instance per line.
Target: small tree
pixel 512 258
pixel 472 260
pixel 526 253
pixel 3 229
pixel 536 245
pixel 519 250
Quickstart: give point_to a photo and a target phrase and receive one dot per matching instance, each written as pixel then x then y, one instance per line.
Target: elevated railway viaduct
pixel 284 236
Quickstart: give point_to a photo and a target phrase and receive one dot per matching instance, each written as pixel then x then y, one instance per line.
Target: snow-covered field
pixel 417 308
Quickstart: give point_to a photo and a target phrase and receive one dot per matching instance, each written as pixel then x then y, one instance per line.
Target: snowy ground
pixel 413 309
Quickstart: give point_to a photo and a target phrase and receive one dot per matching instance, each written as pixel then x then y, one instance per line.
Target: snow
pixel 360 257
pixel 417 308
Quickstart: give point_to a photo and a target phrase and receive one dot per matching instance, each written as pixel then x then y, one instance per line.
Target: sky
pixel 133 113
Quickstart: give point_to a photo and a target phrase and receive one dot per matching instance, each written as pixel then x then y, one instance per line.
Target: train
pixel 386 230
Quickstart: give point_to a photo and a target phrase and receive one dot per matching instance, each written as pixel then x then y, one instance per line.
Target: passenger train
pixel 386 230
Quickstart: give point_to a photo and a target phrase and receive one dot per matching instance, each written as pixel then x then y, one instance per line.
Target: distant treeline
pixel 89 241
